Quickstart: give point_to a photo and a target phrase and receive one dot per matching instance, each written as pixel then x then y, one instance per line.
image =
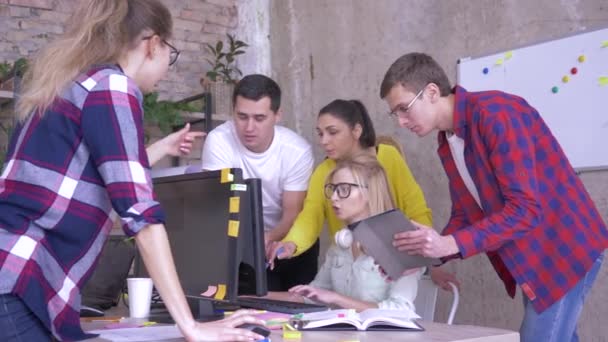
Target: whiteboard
pixel 566 80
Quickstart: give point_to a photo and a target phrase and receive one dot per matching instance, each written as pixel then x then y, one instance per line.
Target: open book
pixel 370 319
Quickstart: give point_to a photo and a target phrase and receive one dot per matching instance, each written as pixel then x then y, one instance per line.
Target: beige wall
pixel 327 49
pixel 26 25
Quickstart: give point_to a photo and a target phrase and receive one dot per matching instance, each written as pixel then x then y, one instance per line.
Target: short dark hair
pixel 353 112
pixel 255 87
pixel 414 71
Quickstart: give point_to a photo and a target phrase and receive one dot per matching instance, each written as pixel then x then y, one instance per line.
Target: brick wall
pixel 26 25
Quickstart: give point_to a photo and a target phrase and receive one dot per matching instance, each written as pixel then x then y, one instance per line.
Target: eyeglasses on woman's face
pixel 173 51
pixel 342 189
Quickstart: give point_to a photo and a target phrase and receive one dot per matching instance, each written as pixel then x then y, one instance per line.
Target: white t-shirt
pixel 457 148
pixel 285 166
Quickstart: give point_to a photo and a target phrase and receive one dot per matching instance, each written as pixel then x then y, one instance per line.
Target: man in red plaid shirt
pixel 514 194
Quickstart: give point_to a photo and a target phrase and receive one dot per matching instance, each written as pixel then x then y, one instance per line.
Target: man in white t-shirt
pixel 254 142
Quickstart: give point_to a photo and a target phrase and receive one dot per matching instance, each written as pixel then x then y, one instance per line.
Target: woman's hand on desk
pixel 224 330
pixel 315 293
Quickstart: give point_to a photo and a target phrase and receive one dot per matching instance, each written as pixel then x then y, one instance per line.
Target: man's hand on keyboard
pixel 225 329
pixel 317 294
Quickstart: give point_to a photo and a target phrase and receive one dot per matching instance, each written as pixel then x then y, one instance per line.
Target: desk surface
pixel 434 332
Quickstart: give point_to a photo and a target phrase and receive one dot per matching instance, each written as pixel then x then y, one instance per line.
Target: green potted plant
pixel 224 73
pixel 160 117
pixel 10 71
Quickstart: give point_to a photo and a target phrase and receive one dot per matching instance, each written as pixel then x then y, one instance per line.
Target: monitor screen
pixel 216 231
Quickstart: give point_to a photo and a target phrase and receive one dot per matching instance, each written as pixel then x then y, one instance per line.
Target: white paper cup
pixel 140 296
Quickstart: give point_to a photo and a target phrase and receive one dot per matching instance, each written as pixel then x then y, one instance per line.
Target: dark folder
pixel 375 234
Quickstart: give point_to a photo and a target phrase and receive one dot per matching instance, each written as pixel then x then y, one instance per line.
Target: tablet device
pixel 375 234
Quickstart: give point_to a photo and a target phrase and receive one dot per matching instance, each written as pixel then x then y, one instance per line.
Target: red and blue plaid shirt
pixel 68 175
pixel 536 223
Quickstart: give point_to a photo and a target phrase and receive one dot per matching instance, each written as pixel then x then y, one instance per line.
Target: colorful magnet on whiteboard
pixel 499 61
pixel 573 71
pixel 603 81
pixel 605 44
pixel 581 58
pixel 508 54
pixel 565 79
pixel 486 71
pixel 554 90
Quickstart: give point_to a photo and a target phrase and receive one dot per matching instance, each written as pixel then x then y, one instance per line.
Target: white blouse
pixel 361 279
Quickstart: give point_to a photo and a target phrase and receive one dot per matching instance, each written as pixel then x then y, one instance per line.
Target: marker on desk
pixel 279 251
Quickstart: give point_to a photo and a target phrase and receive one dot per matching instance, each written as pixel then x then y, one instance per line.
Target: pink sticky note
pixel 211 290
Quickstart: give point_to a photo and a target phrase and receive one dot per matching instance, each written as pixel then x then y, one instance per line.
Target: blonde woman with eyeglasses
pixel 349 278
pixel 76 161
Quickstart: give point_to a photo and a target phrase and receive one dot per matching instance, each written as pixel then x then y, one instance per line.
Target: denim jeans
pixel 18 323
pixel 558 322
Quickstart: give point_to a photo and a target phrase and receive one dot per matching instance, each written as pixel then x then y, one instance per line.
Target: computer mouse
pixel 87 311
pixel 256 328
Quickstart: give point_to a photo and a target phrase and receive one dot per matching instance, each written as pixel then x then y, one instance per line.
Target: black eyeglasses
pixel 173 51
pixel 342 189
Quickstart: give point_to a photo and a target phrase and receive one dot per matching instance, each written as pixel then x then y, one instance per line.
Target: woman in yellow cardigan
pixel 346 130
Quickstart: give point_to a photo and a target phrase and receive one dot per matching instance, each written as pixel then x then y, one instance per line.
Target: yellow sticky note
pixel 603 81
pixel 508 54
pixel 291 335
pixel 226 176
pixel 221 292
pixel 235 205
pixel 499 61
pixel 605 43
pixel 233 228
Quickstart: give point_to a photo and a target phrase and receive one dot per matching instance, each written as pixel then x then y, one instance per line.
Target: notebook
pixel 348 319
pixel 375 234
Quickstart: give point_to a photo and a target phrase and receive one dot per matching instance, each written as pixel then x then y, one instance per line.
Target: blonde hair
pixel 371 178
pixel 391 141
pixel 98 32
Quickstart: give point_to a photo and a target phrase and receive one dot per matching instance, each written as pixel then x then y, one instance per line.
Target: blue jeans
pixel 558 322
pixel 18 323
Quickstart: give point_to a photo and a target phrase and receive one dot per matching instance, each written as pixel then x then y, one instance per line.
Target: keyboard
pixel 279 305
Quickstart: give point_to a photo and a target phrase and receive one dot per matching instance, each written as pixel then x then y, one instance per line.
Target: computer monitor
pixel 214 224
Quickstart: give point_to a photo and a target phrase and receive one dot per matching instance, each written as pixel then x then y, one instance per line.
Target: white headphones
pixel 344 238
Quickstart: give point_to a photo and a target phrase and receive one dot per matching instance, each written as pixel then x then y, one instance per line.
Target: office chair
pixel 427 298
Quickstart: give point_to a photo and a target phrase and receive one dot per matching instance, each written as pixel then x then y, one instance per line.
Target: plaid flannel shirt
pixel 537 223
pixel 68 175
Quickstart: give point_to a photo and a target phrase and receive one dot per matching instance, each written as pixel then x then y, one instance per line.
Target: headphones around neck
pixel 344 238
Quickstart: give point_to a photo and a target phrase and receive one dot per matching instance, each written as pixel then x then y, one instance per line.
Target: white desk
pixel 434 332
